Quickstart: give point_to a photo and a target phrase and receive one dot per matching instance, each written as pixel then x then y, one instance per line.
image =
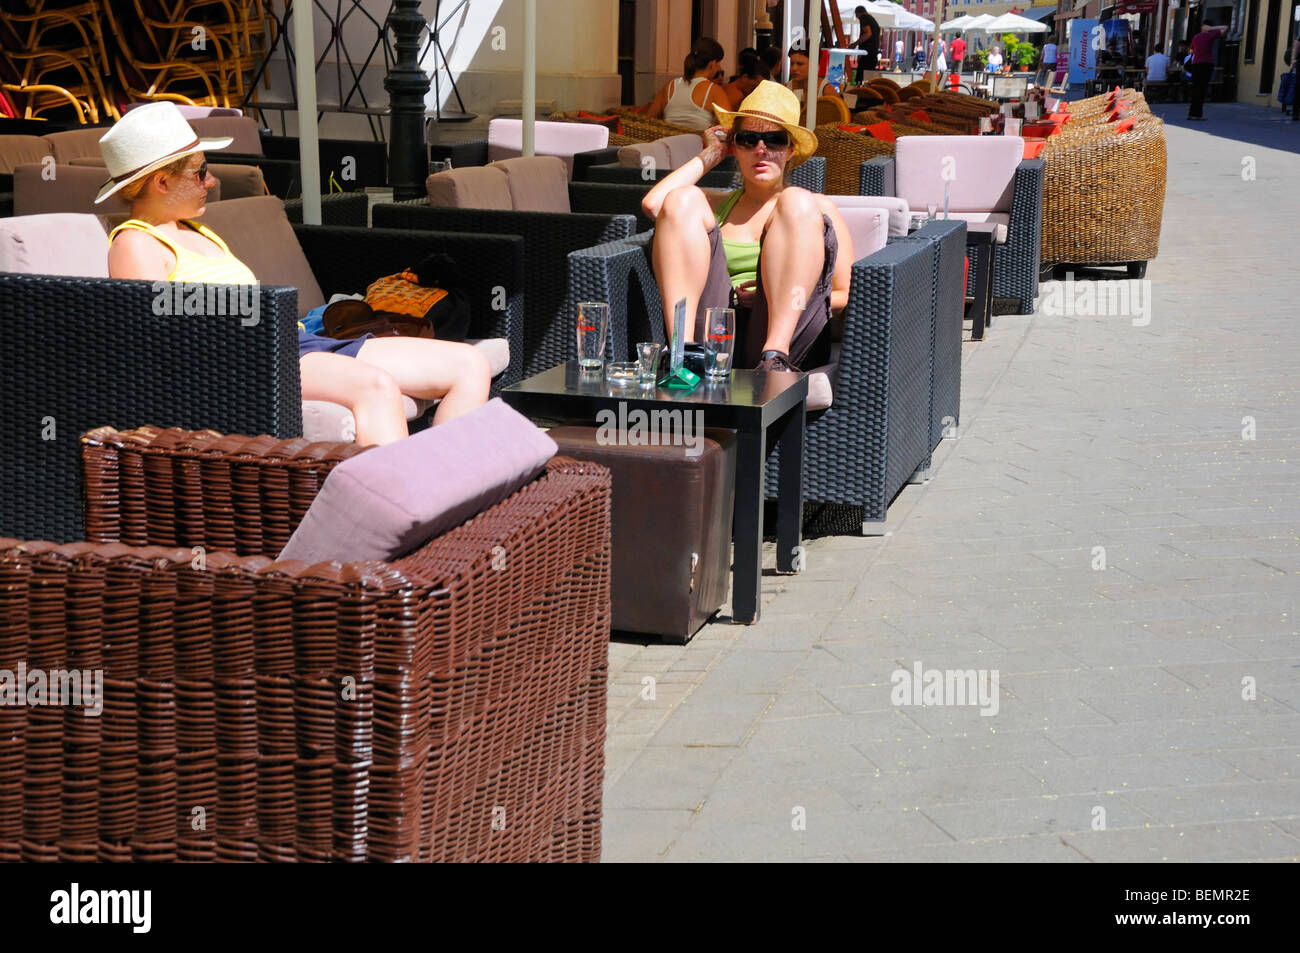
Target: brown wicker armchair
pixel 448 705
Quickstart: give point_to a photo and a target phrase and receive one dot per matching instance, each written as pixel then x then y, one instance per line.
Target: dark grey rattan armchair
pixel 1015 263
pixel 868 444
pixel 91 352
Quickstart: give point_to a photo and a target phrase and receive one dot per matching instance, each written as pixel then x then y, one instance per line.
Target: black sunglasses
pixel 746 139
pixel 201 172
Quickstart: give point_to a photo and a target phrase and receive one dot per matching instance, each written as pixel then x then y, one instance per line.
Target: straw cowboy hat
pixel 144 140
pixel 775 103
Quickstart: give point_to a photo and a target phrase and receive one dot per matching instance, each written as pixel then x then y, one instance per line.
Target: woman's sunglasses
pixel 773 140
pixel 201 171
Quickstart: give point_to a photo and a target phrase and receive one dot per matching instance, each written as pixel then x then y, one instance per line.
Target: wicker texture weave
pixel 548 337
pixel 446 706
pixel 844 153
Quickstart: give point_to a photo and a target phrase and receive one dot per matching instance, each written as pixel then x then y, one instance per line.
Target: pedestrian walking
pixel 1202 66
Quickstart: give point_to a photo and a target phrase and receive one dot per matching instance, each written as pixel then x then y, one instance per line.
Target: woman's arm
pixel 713 94
pixel 715 147
pixel 135 254
pixel 656 108
pixel 844 257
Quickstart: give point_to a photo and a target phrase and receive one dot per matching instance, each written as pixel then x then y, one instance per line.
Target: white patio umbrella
pixel 1013 23
pixel 978 24
pixel 883 16
pixel 956 25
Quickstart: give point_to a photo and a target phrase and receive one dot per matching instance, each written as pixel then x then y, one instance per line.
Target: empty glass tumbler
pixel 720 336
pixel 593 326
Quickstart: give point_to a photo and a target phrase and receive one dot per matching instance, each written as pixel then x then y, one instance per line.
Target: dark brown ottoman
pixel 671 527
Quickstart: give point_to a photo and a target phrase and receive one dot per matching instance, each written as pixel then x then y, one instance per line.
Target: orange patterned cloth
pixel 403 294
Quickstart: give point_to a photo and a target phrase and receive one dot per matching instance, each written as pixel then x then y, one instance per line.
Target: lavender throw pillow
pixel 388 501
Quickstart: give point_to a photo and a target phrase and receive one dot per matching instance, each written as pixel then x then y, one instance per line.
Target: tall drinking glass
pixel 593 325
pixel 720 336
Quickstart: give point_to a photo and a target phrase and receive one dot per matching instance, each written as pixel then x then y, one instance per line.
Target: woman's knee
pixel 798 204
pixel 473 366
pixel 683 204
pixel 374 385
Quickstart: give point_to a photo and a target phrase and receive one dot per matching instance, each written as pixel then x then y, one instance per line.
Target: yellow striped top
pixel 195 267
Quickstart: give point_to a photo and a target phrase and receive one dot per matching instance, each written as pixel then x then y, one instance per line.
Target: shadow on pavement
pixel 1241 122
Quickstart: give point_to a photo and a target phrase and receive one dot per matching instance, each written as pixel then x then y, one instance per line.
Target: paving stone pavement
pixel 1147 710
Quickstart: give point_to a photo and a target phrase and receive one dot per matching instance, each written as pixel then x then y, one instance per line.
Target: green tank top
pixel 742 257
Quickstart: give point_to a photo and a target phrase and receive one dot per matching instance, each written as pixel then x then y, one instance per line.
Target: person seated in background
pixel 780 255
pixel 686 100
pixel 995 60
pixel 155 162
pixel 1157 67
pixel 799 77
pixel 918 57
pixel 753 69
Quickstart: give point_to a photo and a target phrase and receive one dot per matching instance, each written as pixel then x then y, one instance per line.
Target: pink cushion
pixel 563 139
pixel 681 149
pixel 392 499
pixel 62 244
pixel 900 214
pixel 982 168
pixel 259 234
pixel 537 183
pixel 20 150
pixel 471 187
pixel 635 154
pixel 869 229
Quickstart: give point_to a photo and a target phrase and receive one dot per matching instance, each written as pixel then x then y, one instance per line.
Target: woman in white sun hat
pixel 779 254
pixel 155 163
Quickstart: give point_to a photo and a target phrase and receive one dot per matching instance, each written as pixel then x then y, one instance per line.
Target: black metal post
pixel 407 84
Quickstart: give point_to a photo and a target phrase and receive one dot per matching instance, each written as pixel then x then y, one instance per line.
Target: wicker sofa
pixel 448 705
pixel 91 351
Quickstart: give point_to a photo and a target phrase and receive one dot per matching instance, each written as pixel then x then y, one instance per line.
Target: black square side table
pixel 766 411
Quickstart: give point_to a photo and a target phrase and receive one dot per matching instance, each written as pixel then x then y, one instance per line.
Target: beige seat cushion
pixel 236 181
pixel 562 139
pixel 635 156
pixel 40 189
pixel 60 244
pixel 20 150
pixel 259 234
pixel 899 213
pixel 681 149
pixel 74 143
pixel 471 187
pixel 241 128
pixel 88 160
pixel 537 183
pixel 995 222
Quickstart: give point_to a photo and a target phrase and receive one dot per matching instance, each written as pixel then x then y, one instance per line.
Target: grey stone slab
pixel 825 836
pixel 1187 843
pixel 1042 849
pixel 1131 772
pixel 830 730
pixel 1210 735
pixel 638 836
pixel 810 763
pixel 1265 764
pixel 1023 817
pixel 947 751
pixel 1187 705
pixel 894 790
pixel 719 720
pixel 669 778
pixel 1248 800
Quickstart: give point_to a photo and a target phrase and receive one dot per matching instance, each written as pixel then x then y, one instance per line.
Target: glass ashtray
pixel 623 372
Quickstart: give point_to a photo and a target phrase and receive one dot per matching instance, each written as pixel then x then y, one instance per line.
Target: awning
pixel 1039 13
pixel 1139 6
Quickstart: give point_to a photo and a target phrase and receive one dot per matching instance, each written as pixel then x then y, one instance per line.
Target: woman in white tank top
pixel 687 100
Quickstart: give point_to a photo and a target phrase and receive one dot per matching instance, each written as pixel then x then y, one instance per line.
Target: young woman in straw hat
pixel 780 254
pixel 155 162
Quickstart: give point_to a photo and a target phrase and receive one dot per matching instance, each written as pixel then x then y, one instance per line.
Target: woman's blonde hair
pixel 131 192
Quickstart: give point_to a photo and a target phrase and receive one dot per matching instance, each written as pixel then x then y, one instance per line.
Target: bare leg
pixel 793 254
pixel 457 374
pixel 681 252
pixel 370 393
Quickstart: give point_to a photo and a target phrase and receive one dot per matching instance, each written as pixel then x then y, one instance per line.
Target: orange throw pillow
pixel 1033 147
pixel 881 130
pixel 920 115
pixel 611 122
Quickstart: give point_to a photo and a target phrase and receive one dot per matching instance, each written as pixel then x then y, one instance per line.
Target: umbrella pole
pixel 814 63
pixel 308 134
pixel 530 75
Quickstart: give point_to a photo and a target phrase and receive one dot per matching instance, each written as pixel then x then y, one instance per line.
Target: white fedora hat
pixel 146 139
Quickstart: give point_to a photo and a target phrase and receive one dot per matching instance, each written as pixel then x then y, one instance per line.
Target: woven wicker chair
pixel 844 153
pixel 446 706
pixel 1126 184
pixel 885 90
pixel 867 445
pixel 641 128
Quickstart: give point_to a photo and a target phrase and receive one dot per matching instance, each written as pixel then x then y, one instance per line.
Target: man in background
pixel 958 54
pixel 1203 66
pixel 868 42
